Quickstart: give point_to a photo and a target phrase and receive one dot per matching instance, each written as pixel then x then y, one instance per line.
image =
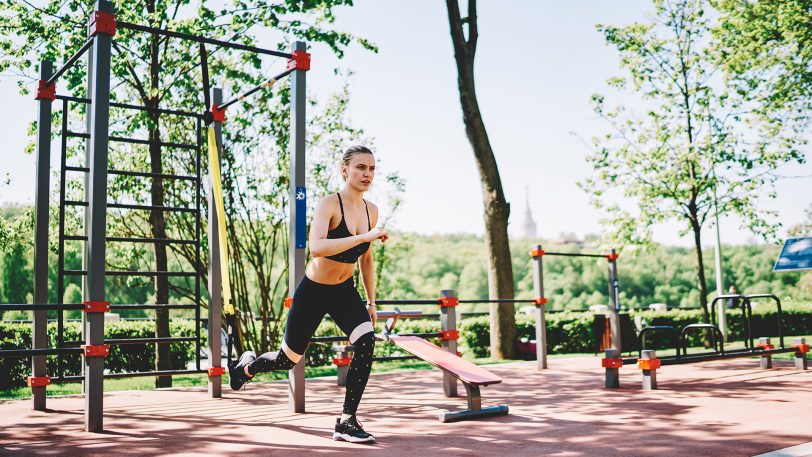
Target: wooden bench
pixel 472 376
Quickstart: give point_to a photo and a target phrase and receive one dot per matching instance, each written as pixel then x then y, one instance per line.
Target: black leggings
pixel 311 302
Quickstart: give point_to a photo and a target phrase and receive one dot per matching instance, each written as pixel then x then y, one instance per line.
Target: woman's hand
pixel 376 233
pixel 373 314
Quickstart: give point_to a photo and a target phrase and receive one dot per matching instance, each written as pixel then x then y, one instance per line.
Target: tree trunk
pixel 700 270
pixel 497 209
pixel 157 219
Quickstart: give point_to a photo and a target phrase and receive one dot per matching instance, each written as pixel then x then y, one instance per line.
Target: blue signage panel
pixel 796 255
pixel 301 217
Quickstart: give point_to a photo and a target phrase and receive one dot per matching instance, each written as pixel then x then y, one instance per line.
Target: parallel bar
pixel 126 239
pixel 409 302
pixel 121 139
pixel 707 357
pixel 128 341
pixel 136 273
pixel 39 307
pixel 36 352
pixel 498 300
pixel 573 254
pixel 173 112
pixel 200 39
pixel 256 88
pixel 153 306
pixel 70 62
pixel 131 375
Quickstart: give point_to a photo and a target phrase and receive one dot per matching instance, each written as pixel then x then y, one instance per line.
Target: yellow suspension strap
pixel 213 114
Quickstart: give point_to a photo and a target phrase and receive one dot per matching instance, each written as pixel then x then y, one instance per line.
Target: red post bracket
pixel 612 256
pixel 450 334
pixel 765 346
pixel 537 253
pixel 611 363
pixel 39 381
pixel 540 301
pixel 448 302
pixel 216 371
pixel 102 22
pixel 652 364
pixel 299 61
pixel 45 92
pixel 96 306
pixel 219 114
pixel 288 302
pixel 342 362
pixel 801 348
pixel 98 350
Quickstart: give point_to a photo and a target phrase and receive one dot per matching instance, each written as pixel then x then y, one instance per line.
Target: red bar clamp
pixel 537 253
pixel 219 114
pixel 612 256
pixel 448 302
pixel 288 302
pixel 96 306
pixel 540 301
pixel 45 92
pixel 611 363
pixel 342 362
pixel 801 348
pixel 652 364
pixel 766 347
pixel 299 61
pixel 216 371
pixel 98 350
pixel 450 334
pixel 39 381
pixel 102 22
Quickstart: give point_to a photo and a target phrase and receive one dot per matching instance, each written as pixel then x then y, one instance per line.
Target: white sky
pixel 537 65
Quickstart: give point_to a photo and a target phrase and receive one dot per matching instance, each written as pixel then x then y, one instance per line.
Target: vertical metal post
pixel 215 276
pixel 99 114
pixel 765 361
pixel 448 323
pixel 614 299
pixel 541 322
pixel 649 381
pixel 297 223
pixel 41 193
pixel 612 371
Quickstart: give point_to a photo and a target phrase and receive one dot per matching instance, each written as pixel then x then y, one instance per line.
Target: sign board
pixel 796 255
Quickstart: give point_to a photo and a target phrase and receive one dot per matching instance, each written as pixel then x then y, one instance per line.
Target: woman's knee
pixel 365 344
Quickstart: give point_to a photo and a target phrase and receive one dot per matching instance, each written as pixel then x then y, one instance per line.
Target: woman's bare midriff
pixel 325 271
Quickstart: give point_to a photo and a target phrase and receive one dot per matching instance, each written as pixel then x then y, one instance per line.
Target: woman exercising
pixel 341 234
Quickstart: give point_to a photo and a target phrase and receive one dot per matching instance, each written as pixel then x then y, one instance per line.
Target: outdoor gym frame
pixel 101 30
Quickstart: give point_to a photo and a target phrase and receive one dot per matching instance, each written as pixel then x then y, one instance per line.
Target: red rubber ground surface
pixel 727 408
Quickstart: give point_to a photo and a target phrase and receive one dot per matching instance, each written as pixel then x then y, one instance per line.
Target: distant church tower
pixel 529 225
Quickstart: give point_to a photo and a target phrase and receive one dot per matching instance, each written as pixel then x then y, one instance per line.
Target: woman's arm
pixel 320 246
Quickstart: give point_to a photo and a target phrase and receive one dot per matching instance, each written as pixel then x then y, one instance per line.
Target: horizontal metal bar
pixel 36 352
pixel 140 174
pixel 433 301
pixel 172 112
pixel 134 273
pixel 200 39
pixel 422 335
pixel 498 300
pixel 130 375
pixel 328 339
pixel 42 307
pixel 70 61
pixel 401 315
pixel 125 239
pixel 707 357
pixel 176 209
pixel 153 306
pixel 127 341
pixel 74 203
pixel 121 139
pixel 574 254
pixel 257 88
pixel 394 357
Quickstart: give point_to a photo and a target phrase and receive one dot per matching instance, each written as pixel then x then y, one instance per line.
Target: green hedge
pixel 122 359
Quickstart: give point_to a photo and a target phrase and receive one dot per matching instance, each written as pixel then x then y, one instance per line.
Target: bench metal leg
pixel 475 409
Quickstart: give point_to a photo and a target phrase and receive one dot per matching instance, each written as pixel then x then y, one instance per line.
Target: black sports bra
pixel 341 231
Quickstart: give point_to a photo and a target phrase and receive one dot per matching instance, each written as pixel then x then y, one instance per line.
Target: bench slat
pixel 446 361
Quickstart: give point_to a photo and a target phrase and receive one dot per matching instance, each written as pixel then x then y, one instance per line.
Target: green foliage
pixel 122 359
